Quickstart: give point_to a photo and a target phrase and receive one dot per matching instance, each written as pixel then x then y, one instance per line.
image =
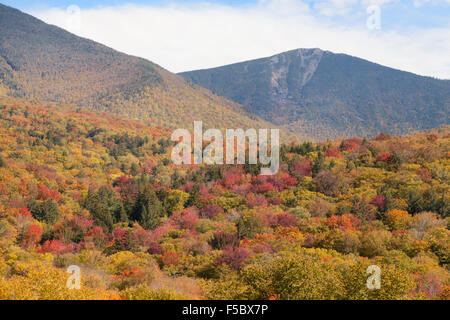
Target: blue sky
pixel 402 13
pixel 413 35
pixel 27 4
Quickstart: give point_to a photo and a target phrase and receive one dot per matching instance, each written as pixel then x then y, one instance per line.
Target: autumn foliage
pixel 100 192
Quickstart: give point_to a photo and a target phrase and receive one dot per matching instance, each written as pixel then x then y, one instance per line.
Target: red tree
pixel 32 236
pixel 233 257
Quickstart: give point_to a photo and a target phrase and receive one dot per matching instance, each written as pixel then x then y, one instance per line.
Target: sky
pixel 182 35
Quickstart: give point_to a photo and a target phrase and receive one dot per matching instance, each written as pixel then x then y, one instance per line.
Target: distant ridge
pixel 322 95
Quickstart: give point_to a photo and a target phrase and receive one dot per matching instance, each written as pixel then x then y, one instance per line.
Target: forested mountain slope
pixel 321 95
pixel 45 62
pixel 100 192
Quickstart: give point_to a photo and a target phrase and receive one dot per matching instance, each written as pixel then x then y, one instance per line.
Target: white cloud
pixel 420 3
pixel 188 37
pixel 332 8
pixel 335 7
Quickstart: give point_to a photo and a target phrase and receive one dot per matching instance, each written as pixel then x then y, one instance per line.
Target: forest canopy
pixel 100 192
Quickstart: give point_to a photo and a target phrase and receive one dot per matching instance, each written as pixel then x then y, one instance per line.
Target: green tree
pixel 194 197
pixel 318 164
pixel 98 210
pixel 175 201
pixel 113 204
pixel 249 224
pixel 46 211
pixel 147 209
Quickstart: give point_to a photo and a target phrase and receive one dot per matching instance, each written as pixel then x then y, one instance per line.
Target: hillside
pixel 321 95
pixel 47 63
pixel 100 192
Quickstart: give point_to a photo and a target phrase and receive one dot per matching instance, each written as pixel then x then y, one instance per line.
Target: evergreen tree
pixel 98 210
pixel 177 180
pixel 214 173
pixel 416 203
pixel 46 211
pixel 319 164
pixel 113 204
pixel 194 197
pixel 147 209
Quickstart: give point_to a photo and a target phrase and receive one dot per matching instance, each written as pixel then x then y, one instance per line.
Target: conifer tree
pixel 147 209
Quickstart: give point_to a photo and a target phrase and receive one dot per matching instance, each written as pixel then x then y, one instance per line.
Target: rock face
pixel 291 71
pixel 263 83
pixel 322 95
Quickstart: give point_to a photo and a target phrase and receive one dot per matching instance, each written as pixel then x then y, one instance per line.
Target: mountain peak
pixel 42 61
pixel 323 95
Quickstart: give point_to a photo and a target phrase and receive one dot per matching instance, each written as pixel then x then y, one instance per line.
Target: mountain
pixel 44 62
pixel 322 95
pixel 311 93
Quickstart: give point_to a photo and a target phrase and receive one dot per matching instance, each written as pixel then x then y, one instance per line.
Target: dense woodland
pixel 100 192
